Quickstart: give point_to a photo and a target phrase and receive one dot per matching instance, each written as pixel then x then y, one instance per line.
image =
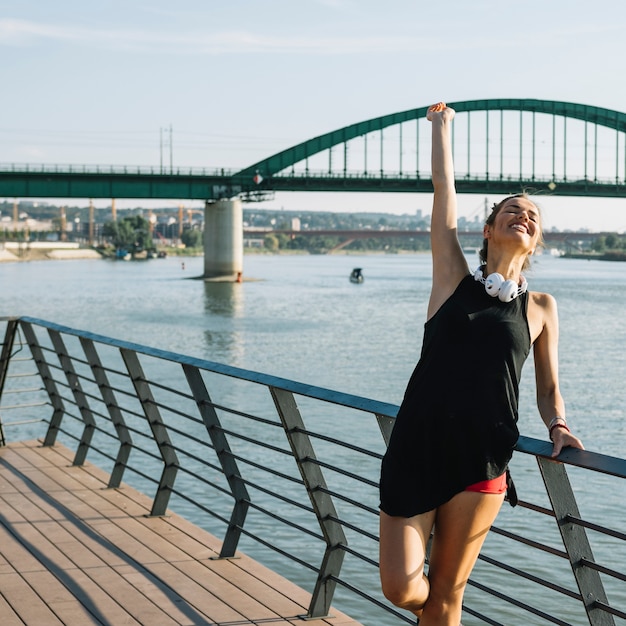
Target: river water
pixel 299 317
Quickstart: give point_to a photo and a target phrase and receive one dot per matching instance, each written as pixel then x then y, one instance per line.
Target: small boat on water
pixel 357 275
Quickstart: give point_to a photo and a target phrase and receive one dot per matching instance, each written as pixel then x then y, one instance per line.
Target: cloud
pixel 15 32
pixel 19 32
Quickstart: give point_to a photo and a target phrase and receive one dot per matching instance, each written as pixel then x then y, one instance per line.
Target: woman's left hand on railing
pixel 564 438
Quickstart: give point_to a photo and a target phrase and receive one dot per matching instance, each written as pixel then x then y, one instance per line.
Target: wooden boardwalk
pixel 75 553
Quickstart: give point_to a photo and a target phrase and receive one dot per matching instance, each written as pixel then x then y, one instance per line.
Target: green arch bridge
pixel 500 145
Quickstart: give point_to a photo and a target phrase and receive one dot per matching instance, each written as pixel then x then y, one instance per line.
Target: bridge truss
pixel 500 146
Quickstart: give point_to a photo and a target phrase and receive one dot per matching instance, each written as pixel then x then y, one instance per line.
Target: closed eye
pixel 533 217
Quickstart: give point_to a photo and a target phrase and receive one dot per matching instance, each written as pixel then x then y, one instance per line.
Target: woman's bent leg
pixel 461 527
pixel 402 555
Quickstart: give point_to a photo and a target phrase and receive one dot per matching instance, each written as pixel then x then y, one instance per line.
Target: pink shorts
pixel 495 485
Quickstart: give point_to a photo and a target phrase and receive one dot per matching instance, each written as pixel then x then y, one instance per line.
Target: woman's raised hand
pixel 440 109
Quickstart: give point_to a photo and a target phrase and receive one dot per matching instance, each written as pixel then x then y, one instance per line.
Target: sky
pixel 238 80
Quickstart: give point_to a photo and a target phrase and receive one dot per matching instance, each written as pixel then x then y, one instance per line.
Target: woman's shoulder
pixel 542 313
pixel 542 300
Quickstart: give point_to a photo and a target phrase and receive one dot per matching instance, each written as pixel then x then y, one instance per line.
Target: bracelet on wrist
pixel 558 425
pixel 555 420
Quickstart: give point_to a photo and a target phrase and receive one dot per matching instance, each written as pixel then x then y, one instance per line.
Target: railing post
pixel 225 457
pixel 159 432
pixel 5 357
pixel 123 434
pixel 323 506
pixel 79 397
pixel 48 381
pixel 385 423
pixel 575 540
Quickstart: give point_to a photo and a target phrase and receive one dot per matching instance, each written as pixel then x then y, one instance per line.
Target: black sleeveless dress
pixel 457 424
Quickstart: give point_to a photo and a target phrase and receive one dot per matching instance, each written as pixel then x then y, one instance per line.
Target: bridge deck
pixel 73 553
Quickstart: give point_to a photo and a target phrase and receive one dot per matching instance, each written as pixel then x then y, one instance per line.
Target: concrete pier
pixel 223 240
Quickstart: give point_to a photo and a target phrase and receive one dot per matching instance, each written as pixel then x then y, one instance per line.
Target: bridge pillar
pixel 223 240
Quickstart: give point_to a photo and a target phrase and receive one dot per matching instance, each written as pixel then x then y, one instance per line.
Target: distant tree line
pixel 274 242
pixel 609 242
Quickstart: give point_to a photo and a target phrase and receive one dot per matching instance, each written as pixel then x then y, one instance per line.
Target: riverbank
pixel 614 255
pixel 39 251
pixel 52 253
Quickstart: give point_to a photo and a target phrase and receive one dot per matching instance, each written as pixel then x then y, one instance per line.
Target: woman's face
pixel 517 220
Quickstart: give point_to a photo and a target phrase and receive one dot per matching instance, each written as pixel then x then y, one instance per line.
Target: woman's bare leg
pixel 461 526
pixel 402 555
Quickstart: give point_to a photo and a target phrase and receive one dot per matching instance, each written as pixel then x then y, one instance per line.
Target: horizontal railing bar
pixel 203 508
pixel 278 550
pixel 24 390
pixel 286 522
pixel 67 433
pixel 206 465
pixel 597 527
pixel 29 405
pixel 131 429
pixel 208 483
pixel 277 496
pixel 350 501
pixel 133 469
pixel 346 473
pixel 256 442
pixel 22 359
pixel 188 437
pixel 105 433
pixel 353 527
pixel 23 374
pixel 21 422
pixel 609 609
pixel 267 469
pixel 529 542
pixel 357 555
pixel 204 481
pixel 482 617
pixel 178 412
pixel 69 414
pixel 603 569
pixel 531 577
pixel 339 443
pixel 108 456
pixel 536 508
pixel 518 603
pixel 255 418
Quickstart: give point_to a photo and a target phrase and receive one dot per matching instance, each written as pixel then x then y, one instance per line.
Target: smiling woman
pixel 446 466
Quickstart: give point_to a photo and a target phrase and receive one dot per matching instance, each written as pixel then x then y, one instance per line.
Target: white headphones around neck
pixel 497 287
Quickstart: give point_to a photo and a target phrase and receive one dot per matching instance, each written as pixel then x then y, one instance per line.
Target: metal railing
pixel 76 168
pixel 288 472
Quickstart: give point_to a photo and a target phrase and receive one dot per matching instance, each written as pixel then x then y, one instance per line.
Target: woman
pixel 446 465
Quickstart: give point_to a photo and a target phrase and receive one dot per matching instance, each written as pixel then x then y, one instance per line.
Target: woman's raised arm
pixel 449 264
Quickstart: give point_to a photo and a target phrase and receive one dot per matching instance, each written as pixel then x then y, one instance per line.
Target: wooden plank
pixel 25 602
pixel 75 552
pixel 9 616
